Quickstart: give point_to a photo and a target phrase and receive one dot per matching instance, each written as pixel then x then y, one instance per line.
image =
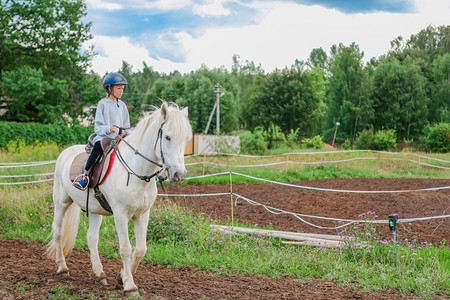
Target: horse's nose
pixel 179 176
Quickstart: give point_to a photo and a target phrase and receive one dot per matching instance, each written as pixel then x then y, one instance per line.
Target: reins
pixel 146 178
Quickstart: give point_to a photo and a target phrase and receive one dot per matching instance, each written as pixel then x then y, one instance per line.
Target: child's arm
pixel 101 128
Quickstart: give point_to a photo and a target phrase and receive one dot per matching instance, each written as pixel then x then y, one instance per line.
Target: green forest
pixel 45 79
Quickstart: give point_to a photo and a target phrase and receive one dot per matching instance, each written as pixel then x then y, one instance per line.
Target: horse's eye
pixel 168 138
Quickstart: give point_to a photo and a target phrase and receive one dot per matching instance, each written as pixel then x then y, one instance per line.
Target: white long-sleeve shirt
pixel 110 112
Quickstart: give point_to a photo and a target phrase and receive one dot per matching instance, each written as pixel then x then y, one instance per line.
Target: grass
pixel 178 237
pixel 316 166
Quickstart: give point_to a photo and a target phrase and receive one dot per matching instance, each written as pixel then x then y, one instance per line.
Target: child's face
pixel 117 90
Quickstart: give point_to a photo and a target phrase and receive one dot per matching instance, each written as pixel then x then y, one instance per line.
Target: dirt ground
pixel 26 274
pixel 330 204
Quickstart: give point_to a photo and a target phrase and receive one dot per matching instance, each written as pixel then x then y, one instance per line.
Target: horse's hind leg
pixel 92 238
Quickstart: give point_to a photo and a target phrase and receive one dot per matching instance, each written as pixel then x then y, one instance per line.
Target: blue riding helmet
pixel 113 79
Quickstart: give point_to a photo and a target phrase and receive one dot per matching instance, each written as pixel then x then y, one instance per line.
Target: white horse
pixel 160 137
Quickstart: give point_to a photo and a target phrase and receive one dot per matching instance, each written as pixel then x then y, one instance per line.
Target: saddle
pixel 102 166
pixel 99 170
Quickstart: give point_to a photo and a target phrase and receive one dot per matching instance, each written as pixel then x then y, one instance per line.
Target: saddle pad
pixel 79 162
pixel 77 166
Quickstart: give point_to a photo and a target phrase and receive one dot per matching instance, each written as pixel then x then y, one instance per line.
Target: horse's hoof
pixel 103 282
pixel 101 279
pixel 64 273
pixel 132 292
pixel 119 279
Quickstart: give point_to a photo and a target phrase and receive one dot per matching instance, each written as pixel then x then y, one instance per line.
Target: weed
pixel 23 287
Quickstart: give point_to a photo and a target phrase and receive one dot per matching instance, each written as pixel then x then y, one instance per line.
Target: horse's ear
pixel 184 112
pixel 164 111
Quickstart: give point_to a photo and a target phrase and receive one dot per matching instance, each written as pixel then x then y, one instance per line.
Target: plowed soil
pixel 26 274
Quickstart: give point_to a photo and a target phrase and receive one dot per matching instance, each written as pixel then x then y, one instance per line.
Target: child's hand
pixel 113 129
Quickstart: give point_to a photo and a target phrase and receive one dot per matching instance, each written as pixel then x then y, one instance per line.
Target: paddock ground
pixel 26 274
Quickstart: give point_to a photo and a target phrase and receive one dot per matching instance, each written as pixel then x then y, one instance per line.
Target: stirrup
pixel 78 185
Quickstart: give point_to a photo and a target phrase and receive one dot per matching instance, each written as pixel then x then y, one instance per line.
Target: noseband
pixel 146 178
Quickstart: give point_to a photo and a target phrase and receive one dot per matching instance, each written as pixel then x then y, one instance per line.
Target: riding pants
pixel 93 157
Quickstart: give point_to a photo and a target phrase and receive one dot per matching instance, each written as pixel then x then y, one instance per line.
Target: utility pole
pixel 335 132
pixel 216 105
pixel 218 109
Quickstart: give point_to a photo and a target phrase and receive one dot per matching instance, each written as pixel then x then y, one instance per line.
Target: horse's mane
pixel 178 125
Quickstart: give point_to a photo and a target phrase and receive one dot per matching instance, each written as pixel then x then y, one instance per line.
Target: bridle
pixel 146 178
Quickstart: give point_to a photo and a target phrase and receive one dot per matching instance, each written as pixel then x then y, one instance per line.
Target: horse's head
pixel 174 135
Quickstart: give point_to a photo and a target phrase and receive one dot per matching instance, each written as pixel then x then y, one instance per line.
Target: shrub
pixel 365 140
pixel 315 142
pixel 292 136
pixel 381 140
pixel 437 137
pixel 347 144
pixel 385 140
pixel 254 143
pixel 30 133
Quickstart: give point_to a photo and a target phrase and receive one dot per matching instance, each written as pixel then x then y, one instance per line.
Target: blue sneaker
pixel 81 184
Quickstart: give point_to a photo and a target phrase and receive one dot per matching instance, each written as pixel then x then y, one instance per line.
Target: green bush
pixel 437 137
pixel 347 144
pixel 365 140
pixel 31 133
pixel 254 143
pixel 383 140
pixel 315 142
pixel 292 137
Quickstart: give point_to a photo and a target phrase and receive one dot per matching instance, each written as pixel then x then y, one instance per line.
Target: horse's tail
pixel 71 220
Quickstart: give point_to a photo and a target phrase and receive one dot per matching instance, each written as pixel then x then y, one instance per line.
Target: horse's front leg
pixel 95 221
pixel 140 223
pixel 121 221
pixel 58 231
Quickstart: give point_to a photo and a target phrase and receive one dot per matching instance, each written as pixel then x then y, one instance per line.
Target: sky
pixel 185 35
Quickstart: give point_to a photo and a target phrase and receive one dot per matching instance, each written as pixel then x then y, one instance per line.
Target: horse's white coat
pixel 127 202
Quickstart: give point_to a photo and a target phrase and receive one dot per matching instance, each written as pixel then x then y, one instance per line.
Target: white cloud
pixel 163 5
pixel 112 51
pixel 289 31
pixel 103 5
pixel 286 31
pixel 211 8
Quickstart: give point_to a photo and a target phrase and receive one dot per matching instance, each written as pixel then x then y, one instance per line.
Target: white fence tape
pixel 324 152
pixel 301 216
pixel 311 163
pixel 32 175
pixel 274 182
pixel 25 182
pixel 338 190
pixel 321 189
pixel 24 165
pixel 270 209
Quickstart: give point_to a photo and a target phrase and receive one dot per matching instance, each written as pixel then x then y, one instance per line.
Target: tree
pixel 290 98
pixel 44 37
pixel 197 91
pixel 423 47
pixel 318 59
pixel 440 105
pixel 400 99
pixel 348 93
pixel 245 75
pixel 28 86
